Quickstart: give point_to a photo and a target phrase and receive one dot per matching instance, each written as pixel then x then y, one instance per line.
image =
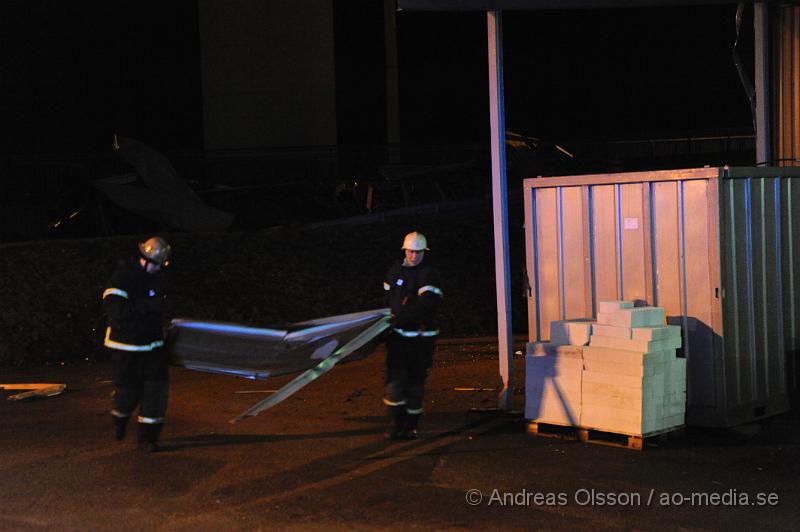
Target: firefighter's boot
pixel 148 437
pixel 120 425
pixel 412 422
pixel 398 417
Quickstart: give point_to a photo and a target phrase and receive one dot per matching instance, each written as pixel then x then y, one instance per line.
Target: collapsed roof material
pixel 166 198
pixel 312 347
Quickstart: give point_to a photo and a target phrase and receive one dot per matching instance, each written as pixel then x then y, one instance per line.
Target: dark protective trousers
pixel 141 378
pixel 408 362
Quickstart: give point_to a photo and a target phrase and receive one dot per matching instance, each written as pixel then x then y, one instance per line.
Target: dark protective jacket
pixel 136 307
pixel 414 295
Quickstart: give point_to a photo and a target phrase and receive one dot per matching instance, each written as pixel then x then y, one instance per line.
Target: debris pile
pixel 34 390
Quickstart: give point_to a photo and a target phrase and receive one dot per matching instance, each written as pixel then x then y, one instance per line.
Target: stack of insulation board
pixel 632 381
pixel 628 378
pixel 553 374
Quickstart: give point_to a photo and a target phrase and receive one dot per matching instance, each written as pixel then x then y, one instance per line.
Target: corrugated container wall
pixel 786 92
pixel 714 246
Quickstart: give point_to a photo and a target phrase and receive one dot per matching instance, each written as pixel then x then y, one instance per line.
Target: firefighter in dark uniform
pixel 136 308
pixel 414 294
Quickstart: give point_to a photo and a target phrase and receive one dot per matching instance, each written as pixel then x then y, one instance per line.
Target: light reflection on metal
pixel 744 77
pixel 212 326
pixel 56 225
pixel 562 150
pixel 258 353
pixel 500 207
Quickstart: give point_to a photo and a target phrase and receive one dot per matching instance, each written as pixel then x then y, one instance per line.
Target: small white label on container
pixel 631 223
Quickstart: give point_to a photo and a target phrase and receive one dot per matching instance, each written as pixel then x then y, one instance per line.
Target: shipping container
pixel 715 247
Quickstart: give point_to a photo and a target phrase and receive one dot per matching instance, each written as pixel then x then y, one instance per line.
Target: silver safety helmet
pixel 415 242
pixel 155 249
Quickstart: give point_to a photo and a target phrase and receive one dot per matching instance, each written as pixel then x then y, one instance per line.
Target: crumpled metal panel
pixel 312 347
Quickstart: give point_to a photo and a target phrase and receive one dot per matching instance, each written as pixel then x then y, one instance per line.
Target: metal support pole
pixel 392 76
pixel 762 66
pixel 500 207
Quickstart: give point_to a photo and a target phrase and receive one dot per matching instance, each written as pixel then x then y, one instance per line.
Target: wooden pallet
pixel 600 437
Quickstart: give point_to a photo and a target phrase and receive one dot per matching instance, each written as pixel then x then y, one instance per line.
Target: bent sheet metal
pixel 312 347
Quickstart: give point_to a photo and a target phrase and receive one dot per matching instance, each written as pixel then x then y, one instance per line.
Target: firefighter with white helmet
pixel 414 293
pixel 136 307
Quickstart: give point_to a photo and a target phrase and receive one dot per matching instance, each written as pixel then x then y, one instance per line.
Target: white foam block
pixel 554 360
pixel 610 306
pixel 553 375
pixel 675 379
pixel 634 421
pixel 621 403
pixel 619 362
pixel 675 397
pixel 611 331
pixel 566 370
pixel 613 420
pixel 553 366
pixel 553 349
pixel 632 317
pixel 616 397
pixel 556 412
pixel 623 356
pixel 563 373
pixel 677 375
pixel 551 388
pixel 655 333
pixel 674 421
pixel 675 408
pixel 652 387
pixel 538 384
pixel 679 366
pixel 623 369
pixel 530 347
pixel 552 405
pixel 629 344
pixel 572 332
pixel 672 387
pixel 624 381
pixel 554 389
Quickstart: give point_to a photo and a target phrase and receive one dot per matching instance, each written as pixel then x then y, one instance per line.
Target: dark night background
pixel 607 74
pixel 74 72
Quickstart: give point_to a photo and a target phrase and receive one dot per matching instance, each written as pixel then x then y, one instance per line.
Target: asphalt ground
pixel 320 460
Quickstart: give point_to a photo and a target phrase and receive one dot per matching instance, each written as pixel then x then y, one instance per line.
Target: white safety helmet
pixel 155 249
pixel 415 242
